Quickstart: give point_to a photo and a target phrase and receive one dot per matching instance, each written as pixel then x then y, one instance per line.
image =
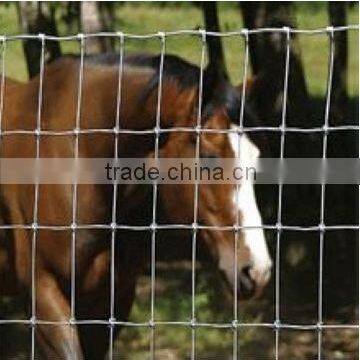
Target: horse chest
pixel 97 274
pixel 92 259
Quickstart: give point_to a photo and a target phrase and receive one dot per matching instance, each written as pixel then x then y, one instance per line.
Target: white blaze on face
pixel 245 200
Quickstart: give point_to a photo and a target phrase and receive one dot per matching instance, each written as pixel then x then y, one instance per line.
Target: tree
pixel 267 56
pixel 97 17
pixel 339 99
pixel 35 18
pixel 214 46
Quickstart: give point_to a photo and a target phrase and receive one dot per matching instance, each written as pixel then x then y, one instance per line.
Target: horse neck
pixel 176 109
pixel 20 105
pixel 99 102
pixel 176 106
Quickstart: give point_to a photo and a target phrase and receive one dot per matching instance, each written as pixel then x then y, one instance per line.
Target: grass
pixel 141 18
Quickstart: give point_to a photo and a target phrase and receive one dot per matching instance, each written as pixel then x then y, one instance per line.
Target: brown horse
pixel 217 203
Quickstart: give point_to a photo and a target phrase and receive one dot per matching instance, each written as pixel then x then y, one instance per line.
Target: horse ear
pixel 250 85
pixel 217 91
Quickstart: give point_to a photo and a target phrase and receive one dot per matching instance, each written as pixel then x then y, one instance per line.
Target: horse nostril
pixel 246 282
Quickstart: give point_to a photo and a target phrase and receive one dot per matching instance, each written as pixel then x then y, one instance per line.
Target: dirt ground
pixel 254 343
pixel 174 342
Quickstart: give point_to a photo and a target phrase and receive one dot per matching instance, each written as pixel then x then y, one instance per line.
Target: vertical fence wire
pixel 112 318
pixel 280 194
pixel 193 320
pixel 2 81
pixel 36 199
pixel 72 319
pixel 322 200
pixel 2 86
pixel 157 129
pixel 240 133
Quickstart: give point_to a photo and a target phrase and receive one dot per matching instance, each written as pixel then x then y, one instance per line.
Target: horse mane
pixel 184 74
pixel 174 67
pixel 217 93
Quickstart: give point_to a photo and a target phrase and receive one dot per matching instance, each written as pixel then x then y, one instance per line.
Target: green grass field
pixel 173 293
pixel 141 18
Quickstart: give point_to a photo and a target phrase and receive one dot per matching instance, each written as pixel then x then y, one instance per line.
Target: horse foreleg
pixel 95 341
pixel 94 337
pixel 59 341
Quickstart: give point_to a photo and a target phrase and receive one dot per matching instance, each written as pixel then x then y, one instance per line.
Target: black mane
pixel 176 68
pixel 217 93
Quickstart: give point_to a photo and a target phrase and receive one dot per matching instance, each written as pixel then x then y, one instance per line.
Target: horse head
pixel 221 204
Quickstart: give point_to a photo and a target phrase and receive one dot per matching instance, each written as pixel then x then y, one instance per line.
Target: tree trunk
pixel 71 17
pixel 250 12
pixel 339 99
pixel 267 56
pixel 108 17
pixel 91 22
pixel 214 46
pixel 35 18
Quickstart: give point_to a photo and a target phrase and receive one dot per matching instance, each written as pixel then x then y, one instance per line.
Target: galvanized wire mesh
pixel 283 129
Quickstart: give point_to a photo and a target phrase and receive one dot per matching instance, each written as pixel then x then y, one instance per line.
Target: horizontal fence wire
pixel 200 33
pixel 148 324
pixel 113 227
pixel 75 132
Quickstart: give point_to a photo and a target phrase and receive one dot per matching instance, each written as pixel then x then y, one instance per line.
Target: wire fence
pixel 277 325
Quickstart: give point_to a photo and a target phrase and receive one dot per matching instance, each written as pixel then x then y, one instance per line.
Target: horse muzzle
pixel 252 281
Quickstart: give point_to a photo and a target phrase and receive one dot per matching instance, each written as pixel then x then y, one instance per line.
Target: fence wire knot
pixel 157 130
pixel 245 33
pixel 151 324
pixel 235 324
pixel 153 226
pixel 121 36
pixel 32 321
pixel 161 35
pixel 325 129
pixel 202 33
pixel 41 37
pixel 277 324
pixel 330 30
pixel 286 29
pixel 34 226
pixel 195 226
